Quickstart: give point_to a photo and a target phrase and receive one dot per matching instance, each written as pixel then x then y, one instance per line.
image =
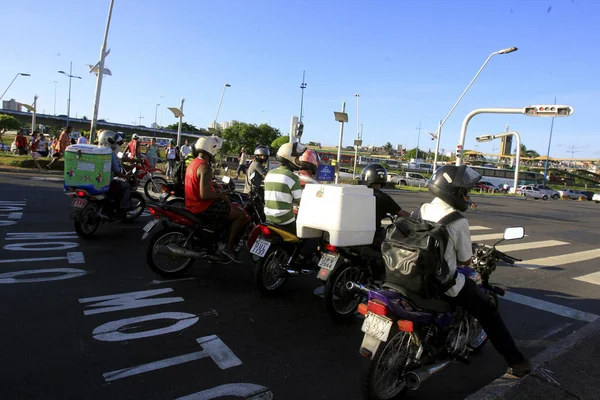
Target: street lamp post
pixel 220 101
pixel 302 86
pixel 439 131
pixel 487 138
pixel 357 142
pixel 155 116
pixel 532 111
pixel 11 82
pixel 341 117
pixel 70 76
pixel 178 113
pixel 162 102
pixel 33 109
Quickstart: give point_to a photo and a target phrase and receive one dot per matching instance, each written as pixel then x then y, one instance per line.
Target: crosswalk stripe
pixel 489 236
pixel 530 245
pixel 561 259
pixel 479 228
pixel 550 307
pixel 593 278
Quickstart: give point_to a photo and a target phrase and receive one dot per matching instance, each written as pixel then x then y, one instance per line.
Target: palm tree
pixel 388 147
pixel 530 153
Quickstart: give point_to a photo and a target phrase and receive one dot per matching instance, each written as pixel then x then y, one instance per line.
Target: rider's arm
pixel 261 169
pixel 115 167
pixel 462 245
pixel 296 191
pixel 205 176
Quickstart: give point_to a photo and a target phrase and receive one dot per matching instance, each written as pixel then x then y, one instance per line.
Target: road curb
pixel 500 386
pixel 19 170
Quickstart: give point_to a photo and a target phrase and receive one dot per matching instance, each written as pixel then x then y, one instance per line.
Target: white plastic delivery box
pixel 346 212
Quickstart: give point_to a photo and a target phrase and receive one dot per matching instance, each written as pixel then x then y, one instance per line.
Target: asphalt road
pixel 93 335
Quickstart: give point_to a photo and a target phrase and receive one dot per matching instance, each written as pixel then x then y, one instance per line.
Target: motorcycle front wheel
pixel 269 275
pixel 163 262
pixel 340 303
pixel 88 222
pixel 383 376
pixel 153 187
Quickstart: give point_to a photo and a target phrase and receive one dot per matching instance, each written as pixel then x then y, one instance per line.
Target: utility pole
pixel 573 151
pixel 302 86
pixel 140 117
pixel 418 139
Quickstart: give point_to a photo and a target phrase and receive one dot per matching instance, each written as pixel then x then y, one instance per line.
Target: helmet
pixel 451 184
pixel 208 145
pixel 374 174
pixel 135 136
pixel 288 154
pixel 109 138
pixel 261 153
pixel 309 161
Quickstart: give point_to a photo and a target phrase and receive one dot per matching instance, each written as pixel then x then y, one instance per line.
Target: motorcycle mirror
pixel 226 179
pixel 517 232
pixel 120 154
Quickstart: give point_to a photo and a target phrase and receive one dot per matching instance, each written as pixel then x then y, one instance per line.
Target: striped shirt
pixel 282 189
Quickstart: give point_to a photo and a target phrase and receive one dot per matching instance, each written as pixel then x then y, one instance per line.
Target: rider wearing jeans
pixel 450 184
pixel 113 140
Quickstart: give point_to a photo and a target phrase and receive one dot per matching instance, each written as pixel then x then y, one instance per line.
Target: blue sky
pixel 408 60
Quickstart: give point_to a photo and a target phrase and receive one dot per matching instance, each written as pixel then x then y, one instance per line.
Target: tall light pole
pixel 178 113
pixel 487 138
pixel 548 152
pixel 100 71
pixel 418 140
pixel 55 83
pixel 70 76
pixel 220 101
pixel 155 115
pixel 11 82
pixel 33 109
pixel 341 117
pixel 302 86
pixel 357 142
pixel 439 130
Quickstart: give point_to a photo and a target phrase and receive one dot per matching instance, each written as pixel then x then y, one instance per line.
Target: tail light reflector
pixel 377 307
pixel 330 247
pixel 362 308
pixel 80 193
pixel 405 326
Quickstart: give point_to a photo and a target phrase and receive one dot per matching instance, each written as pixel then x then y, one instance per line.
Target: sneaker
pixel 231 256
pixel 519 370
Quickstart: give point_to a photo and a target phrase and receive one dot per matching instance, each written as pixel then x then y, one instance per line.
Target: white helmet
pixel 109 138
pixel 209 145
pixel 289 154
pixel 135 136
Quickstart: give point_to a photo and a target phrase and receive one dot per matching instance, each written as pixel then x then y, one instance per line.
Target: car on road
pixel 408 179
pixel 589 195
pixel 571 193
pixel 596 198
pixel 532 191
pixel 549 191
pixel 346 173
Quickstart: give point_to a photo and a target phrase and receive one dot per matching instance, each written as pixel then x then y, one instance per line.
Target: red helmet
pixel 309 161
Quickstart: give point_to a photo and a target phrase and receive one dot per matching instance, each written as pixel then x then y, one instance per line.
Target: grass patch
pixel 13 160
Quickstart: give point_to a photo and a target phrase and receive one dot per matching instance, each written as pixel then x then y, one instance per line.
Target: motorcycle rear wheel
pixel 88 222
pixel 168 265
pixel 339 302
pixel 153 188
pixel 266 269
pixel 381 378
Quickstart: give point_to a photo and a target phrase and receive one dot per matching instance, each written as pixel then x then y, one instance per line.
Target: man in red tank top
pixel 201 197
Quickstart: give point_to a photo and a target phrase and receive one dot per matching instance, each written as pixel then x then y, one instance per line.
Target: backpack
pixel 179 173
pixel 413 251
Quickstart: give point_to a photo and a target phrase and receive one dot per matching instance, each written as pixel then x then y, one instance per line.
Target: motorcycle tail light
pixel 265 231
pixel 80 193
pixel 153 212
pixel 377 307
pixel 330 247
pixel 362 308
pixel 405 326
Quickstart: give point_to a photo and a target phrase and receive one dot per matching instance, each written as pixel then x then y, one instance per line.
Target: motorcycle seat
pixel 435 305
pixel 188 214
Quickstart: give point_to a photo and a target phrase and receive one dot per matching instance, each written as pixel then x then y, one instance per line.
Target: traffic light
pixel 299 129
pixel 548 111
pixel 459 150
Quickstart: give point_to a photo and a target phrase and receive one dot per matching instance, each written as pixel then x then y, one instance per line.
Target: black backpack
pixel 179 173
pixel 413 251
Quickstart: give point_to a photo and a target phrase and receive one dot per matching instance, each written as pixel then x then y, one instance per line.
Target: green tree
pixel 525 152
pixel 7 122
pixel 388 147
pixel 248 136
pixel 413 152
pixel 185 127
pixel 277 143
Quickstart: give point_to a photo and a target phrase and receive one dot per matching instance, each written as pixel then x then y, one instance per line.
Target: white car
pixel 549 191
pixel 596 197
pixel 571 193
pixel 532 191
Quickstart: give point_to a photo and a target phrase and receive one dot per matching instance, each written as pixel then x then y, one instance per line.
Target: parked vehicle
pixel 409 339
pixel 589 195
pixel 596 198
pixel 549 191
pixel 408 179
pixel 571 193
pixel 532 191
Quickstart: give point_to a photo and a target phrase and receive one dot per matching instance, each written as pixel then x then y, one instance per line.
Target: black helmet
pixel 261 153
pixel 374 173
pixel 451 184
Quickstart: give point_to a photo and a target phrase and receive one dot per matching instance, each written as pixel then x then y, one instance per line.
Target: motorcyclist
pixel 202 198
pixel 257 171
pixel 374 176
pixel 113 140
pixel 450 185
pixel 309 164
pixel 282 188
pixel 134 149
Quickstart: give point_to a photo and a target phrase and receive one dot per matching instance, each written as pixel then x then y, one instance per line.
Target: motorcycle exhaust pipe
pixel 178 251
pixel 356 287
pixel 413 379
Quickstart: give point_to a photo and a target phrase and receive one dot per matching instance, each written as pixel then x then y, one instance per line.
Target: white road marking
pixel 489 236
pixel 155 282
pixel 45 178
pixel 561 259
pixel 73 258
pixel 550 307
pixel 479 228
pixel 530 245
pixel 593 278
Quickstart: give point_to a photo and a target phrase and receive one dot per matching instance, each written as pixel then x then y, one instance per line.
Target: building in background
pixel 224 124
pixel 506 145
pixel 11 105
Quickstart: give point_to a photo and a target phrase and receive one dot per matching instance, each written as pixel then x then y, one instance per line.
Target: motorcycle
pixel 89 211
pixel 409 339
pixel 184 237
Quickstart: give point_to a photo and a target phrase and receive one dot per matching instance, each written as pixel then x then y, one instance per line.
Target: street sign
pixel 326 173
pixel 358 142
pixel 340 116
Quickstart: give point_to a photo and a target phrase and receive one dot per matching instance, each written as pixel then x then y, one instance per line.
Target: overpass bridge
pixel 79 124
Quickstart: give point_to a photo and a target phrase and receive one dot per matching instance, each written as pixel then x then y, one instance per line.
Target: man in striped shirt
pixel 282 188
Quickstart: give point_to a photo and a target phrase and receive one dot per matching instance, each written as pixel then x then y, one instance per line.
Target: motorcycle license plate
pixel 328 261
pixel 147 228
pixel 377 326
pixel 79 203
pixel 260 247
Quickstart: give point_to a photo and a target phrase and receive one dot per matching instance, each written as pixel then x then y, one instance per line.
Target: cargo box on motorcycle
pixel 88 167
pixel 346 212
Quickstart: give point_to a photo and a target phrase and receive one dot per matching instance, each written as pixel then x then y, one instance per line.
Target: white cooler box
pixel 346 212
